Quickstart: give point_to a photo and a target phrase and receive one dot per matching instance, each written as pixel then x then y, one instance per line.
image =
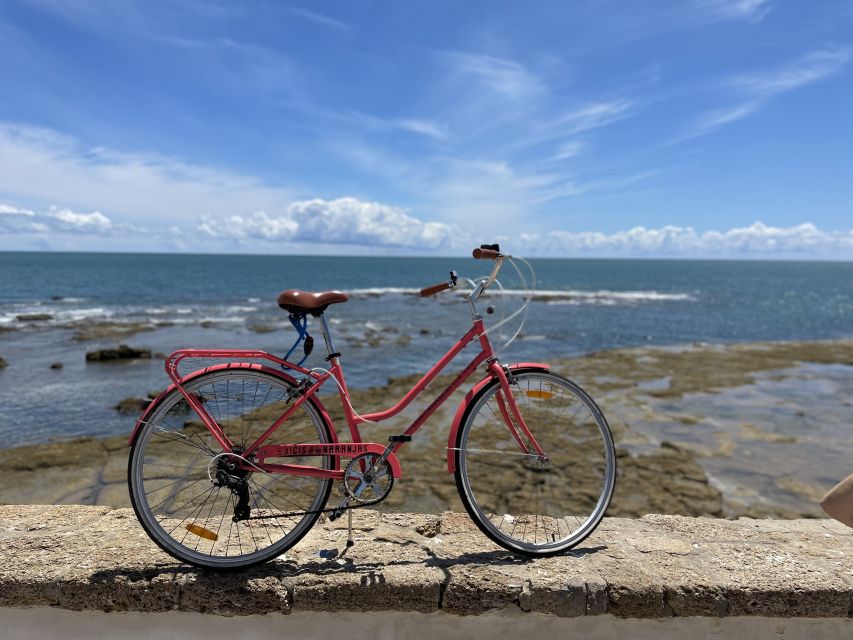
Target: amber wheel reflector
pixel 542 395
pixel 201 532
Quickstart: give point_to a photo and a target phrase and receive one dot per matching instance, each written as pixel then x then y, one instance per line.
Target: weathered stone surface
pixel 97 558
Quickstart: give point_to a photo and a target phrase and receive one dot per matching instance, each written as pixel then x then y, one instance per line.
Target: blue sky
pixel 682 128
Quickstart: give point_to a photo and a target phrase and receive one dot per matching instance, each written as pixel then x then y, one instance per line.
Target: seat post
pixel 327 336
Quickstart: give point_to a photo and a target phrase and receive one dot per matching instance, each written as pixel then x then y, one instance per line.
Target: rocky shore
pixel 701 430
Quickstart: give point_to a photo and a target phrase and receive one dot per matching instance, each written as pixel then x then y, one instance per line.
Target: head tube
pixel 484 284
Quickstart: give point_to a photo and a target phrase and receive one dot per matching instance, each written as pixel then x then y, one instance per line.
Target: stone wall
pixel 97 558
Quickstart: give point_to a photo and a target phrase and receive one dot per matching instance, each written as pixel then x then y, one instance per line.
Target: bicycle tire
pixel 493 475
pixel 171 455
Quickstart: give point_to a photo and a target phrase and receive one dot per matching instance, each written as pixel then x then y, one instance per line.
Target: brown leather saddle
pixel 296 301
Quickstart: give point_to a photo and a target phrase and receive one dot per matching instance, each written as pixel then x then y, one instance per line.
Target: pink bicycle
pixel 234 463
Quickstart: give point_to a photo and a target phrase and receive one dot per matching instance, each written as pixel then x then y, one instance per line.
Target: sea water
pixel 385 329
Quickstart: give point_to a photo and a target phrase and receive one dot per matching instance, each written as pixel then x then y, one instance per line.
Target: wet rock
pixel 132 405
pixel 56 365
pixel 257 327
pixel 33 317
pixel 668 480
pixel 122 352
pixel 403 340
pixel 105 330
pixel 3 363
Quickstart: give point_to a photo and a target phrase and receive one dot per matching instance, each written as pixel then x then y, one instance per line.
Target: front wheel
pixel 531 504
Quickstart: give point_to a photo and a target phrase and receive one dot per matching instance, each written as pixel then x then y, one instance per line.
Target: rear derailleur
pixel 228 475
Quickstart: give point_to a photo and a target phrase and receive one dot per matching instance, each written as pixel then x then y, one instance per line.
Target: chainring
pixel 366 480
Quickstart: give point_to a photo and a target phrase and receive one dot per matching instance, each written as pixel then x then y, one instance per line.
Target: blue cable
pixel 300 323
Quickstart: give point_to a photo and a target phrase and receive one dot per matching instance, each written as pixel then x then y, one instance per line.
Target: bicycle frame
pixel 313 381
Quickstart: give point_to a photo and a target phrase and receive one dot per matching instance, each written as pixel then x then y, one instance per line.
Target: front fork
pixel 510 413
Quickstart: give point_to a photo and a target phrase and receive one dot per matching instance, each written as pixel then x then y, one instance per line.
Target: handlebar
pixel 428 291
pixel 486 254
pixel 483 252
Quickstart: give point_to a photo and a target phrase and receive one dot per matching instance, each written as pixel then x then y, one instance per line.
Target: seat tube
pixel 327 336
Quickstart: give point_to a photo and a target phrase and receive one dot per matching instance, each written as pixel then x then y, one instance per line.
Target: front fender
pixel 231 365
pixel 469 397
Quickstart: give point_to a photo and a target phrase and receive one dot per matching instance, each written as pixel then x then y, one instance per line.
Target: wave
pixel 554 296
pixel 77 315
pixel 65 300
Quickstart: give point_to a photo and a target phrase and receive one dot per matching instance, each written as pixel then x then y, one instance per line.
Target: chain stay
pixel 291 514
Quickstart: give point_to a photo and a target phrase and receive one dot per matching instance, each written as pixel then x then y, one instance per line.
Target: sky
pixel 685 128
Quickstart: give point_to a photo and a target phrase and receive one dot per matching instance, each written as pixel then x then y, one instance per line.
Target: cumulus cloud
pixel 380 228
pixel 95 222
pixel 16 220
pixel 758 239
pixel 346 221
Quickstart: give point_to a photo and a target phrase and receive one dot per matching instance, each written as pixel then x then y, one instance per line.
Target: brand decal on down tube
pixel 317 449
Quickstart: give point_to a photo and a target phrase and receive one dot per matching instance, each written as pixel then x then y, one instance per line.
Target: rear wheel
pixel 190 497
pixel 530 504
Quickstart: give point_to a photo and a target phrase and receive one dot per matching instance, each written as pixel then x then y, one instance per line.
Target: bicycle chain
pixel 291 514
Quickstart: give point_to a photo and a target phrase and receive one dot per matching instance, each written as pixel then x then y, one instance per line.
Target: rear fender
pixel 232 365
pixel 469 397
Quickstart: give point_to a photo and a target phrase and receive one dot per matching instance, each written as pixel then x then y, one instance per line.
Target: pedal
pixel 400 438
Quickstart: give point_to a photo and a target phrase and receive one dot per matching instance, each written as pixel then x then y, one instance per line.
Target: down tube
pixel 463 375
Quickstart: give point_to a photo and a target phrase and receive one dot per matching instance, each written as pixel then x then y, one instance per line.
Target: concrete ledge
pixel 97 558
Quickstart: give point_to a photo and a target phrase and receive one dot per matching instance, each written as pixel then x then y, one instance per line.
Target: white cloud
pixel 752 10
pixel 16 220
pixel 808 69
pixel 717 118
pixel 318 18
pixel 41 166
pixel 758 239
pixel 758 89
pixel 380 228
pixel 417 125
pixel 95 222
pixel 346 221
pixel 9 210
pixel 591 116
pixel 420 126
pixel 568 150
pixel 506 78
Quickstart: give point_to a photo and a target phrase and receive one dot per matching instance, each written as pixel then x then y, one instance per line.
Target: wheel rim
pixel 189 515
pixel 526 503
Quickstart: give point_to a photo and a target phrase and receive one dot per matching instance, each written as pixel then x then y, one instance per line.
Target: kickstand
pixel 350 541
